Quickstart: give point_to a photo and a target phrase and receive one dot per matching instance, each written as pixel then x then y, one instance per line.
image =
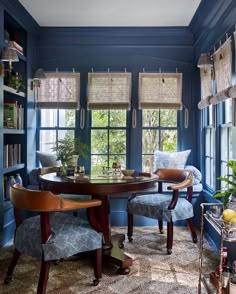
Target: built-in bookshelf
pixel 13 101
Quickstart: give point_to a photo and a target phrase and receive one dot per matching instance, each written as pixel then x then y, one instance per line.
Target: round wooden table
pixel 101 187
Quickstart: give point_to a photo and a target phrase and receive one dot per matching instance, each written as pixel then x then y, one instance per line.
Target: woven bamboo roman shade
pixel 223 72
pixel 59 90
pixel 160 90
pixel 206 86
pixel 109 90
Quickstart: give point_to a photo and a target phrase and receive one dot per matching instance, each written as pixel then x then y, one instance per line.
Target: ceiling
pixel 111 13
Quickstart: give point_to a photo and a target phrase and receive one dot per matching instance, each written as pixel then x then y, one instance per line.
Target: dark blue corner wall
pixel 151 49
pixel 136 49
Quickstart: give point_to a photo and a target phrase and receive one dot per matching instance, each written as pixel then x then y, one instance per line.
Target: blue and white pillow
pixel 164 159
pixel 48 159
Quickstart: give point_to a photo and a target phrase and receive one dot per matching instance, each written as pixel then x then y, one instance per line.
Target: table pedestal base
pixel 116 255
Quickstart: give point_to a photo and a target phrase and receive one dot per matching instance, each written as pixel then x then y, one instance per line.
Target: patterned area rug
pixel 153 270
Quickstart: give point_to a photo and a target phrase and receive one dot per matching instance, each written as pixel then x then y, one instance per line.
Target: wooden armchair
pixel 52 234
pixel 163 206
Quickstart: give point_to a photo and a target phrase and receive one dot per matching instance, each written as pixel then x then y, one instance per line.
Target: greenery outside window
pixel 55 124
pixel 159 131
pixel 108 139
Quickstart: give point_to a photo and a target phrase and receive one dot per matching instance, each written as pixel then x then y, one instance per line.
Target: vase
pixel 63 169
pixel 74 160
pixel 18 179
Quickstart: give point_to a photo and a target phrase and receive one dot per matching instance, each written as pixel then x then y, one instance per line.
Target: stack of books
pixel 11 155
pixel 13 115
pixel 16 46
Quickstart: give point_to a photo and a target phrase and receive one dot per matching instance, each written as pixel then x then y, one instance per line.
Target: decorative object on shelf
pixel 18 179
pixel 10 181
pixel 14 80
pixel 229 191
pixel 9 54
pixel 66 149
pixel 16 47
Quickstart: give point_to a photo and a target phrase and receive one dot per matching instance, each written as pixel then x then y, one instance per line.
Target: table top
pixel 96 184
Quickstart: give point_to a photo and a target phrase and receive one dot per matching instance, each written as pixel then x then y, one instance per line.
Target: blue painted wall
pixel 135 49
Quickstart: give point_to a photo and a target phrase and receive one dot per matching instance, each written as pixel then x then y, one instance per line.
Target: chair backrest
pixel 175 176
pixel 178 179
pixel 23 198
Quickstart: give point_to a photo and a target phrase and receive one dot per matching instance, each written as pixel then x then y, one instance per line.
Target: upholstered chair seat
pixel 165 207
pixel 157 207
pixel 54 233
pixel 69 235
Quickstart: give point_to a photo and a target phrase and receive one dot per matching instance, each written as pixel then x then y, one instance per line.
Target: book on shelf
pixel 13 115
pixel 11 155
pixel 17 47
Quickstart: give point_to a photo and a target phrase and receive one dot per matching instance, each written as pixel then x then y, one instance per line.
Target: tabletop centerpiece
pixel 68 151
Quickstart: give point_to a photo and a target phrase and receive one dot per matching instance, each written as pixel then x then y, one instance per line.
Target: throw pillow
pixel 164 159
pixel 48 159
pixel 197 175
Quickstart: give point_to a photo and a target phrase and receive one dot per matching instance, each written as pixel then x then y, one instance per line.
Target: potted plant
pixel 68 150
pixel 229 191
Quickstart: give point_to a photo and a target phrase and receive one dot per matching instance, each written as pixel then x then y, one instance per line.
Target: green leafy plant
pixel 230 180
pixel 68 147
pixel 14 80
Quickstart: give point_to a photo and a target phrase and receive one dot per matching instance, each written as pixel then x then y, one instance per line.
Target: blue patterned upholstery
pixel 156 206
pixel 70 235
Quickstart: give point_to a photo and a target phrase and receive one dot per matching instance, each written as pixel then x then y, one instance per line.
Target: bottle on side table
pixel 225 270
pixel 232 284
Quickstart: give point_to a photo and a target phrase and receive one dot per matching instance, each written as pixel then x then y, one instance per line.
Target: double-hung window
pixel 109 97
pixel 57 100
pixel 160 97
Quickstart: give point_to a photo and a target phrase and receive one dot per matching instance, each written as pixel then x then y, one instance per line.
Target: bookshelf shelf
pixel 13 130
pixel 13 168
pixel 13 91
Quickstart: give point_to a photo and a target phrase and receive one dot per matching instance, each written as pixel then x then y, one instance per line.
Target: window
pixel 227 138
pixel 57 98
pixel 55 124
pixel 108 139
pixel 159 131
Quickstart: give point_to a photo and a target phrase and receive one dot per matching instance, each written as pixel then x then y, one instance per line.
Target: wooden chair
pixel 163 206
pixel 53 234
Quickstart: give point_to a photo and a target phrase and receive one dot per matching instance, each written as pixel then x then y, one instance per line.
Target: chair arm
pixel 186 183
pixel 67 204
pixel 47 170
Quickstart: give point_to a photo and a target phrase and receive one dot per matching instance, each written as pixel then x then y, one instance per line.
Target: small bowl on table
pixel 127 172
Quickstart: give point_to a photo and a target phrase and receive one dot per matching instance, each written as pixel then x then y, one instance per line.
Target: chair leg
pixel 192 230
pixel 15 257
pixel 169 237
pixel 130 227
pixel 160 225
pixel 43 277
pixel 98 266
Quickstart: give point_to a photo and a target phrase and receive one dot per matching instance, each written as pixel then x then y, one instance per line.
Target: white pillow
pixel 164 159
pixel 197 175
pixel 48 159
